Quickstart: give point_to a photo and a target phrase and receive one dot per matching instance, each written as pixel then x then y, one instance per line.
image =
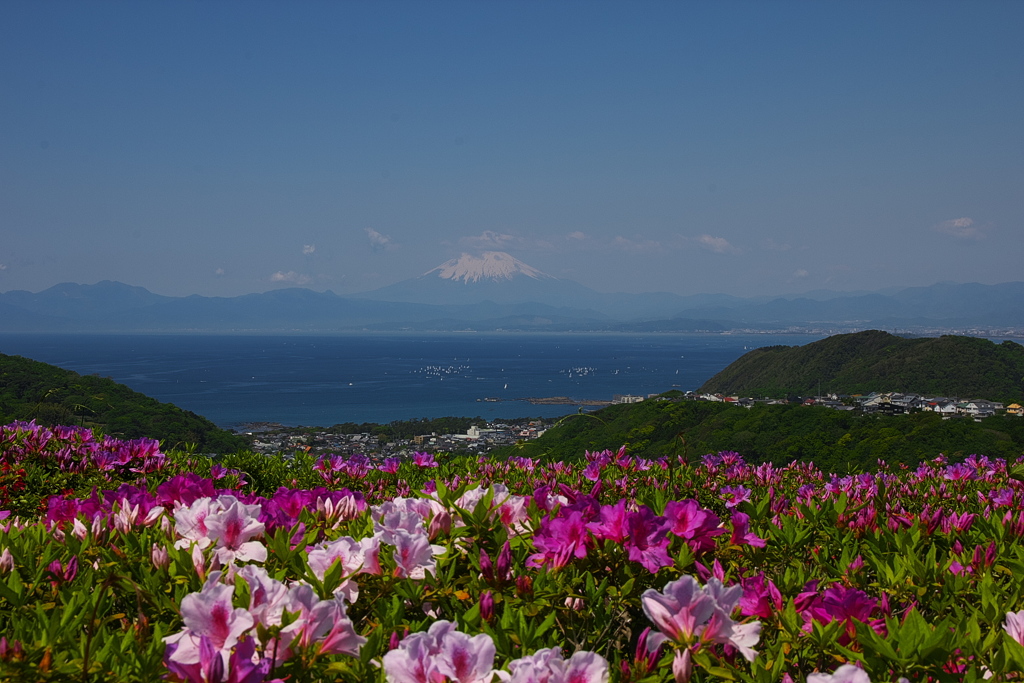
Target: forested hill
pixel 863 362
pixel 30 390
pixel 837 441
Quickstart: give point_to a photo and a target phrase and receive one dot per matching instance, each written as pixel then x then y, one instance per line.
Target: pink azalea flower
pixel 761 597
pixel 209 614
pixel 232 528
pixel 190 522
pixel 1014 625
pixel 678 610
pixel 582 667
pixel 355 556
pixel 734 495
pixel 414 555
pixel 465 659
pixel 847 673
pixel 413 661
pixel 315 619
pixel 268 597
pixel 685 612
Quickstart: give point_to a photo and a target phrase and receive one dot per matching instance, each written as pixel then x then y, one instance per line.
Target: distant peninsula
pixel 873 360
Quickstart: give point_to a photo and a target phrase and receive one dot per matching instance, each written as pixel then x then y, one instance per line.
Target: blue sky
pixel 738 147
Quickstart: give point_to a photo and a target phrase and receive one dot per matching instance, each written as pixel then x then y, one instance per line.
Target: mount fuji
pixel 493 276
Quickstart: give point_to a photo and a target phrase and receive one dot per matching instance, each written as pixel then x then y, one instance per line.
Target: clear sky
pixel 221 148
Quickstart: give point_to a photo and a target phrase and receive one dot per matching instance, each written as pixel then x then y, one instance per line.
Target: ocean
pixel 321 381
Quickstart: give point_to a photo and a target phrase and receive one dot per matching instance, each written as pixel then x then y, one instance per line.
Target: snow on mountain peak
pixel 491 265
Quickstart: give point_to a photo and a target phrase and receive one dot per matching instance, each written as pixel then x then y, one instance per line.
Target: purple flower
pixel 734 495
pixel 741 534
pixel 424 460
pixel 647 542
pixel 559 540
pixel 697 526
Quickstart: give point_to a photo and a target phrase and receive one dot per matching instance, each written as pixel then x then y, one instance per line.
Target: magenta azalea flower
pixel 697 526
pixel 741 533
pixel 648 539
pixel 424 460
pixel 559 540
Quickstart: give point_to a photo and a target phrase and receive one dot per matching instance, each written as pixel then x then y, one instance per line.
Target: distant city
pixel 268 438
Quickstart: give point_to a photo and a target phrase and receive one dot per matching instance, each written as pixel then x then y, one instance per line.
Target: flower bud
pixel 682 667
pixel 486 568
pixel 487 606
pixel 161 559
pixel 503 569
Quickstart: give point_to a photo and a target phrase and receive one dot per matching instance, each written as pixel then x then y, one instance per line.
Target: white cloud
pixel 218 272
pixel 379 241
pixel 3 266
pixel 577 235
pixel 961 228
pixel 292 277
pixel 719 245
pixel 800 273
pixel 308 249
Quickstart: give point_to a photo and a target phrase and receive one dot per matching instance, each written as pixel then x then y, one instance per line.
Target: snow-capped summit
pixel 493 276
pixel 491 265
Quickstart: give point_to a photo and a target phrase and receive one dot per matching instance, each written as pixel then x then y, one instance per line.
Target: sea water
pixel 325 380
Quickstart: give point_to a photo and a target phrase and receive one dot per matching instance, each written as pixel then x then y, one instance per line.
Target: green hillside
pixel 877 361
pixel 834 440
pixel 30 390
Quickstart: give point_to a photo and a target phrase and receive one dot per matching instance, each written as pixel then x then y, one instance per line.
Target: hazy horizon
pixel 741 148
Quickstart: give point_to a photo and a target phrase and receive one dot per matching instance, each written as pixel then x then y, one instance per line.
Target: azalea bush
pixel 120 562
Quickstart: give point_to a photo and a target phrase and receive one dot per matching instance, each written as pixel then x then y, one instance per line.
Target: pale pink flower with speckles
pixel 414 555
pixel 847 673
pixel 210 614
pixel 232 529
pixel 1014 625
pixel 685 611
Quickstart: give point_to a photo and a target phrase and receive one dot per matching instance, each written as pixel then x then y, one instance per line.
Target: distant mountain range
pixel 495 291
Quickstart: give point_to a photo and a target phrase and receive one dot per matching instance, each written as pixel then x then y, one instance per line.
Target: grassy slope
pixel 877 361
pixel 30 390
pixel 834 440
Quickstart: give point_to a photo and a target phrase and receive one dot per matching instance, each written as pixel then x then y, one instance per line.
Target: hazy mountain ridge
pixel 497 291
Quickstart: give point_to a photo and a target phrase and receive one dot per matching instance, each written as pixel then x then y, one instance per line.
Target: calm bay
pixel 326 380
